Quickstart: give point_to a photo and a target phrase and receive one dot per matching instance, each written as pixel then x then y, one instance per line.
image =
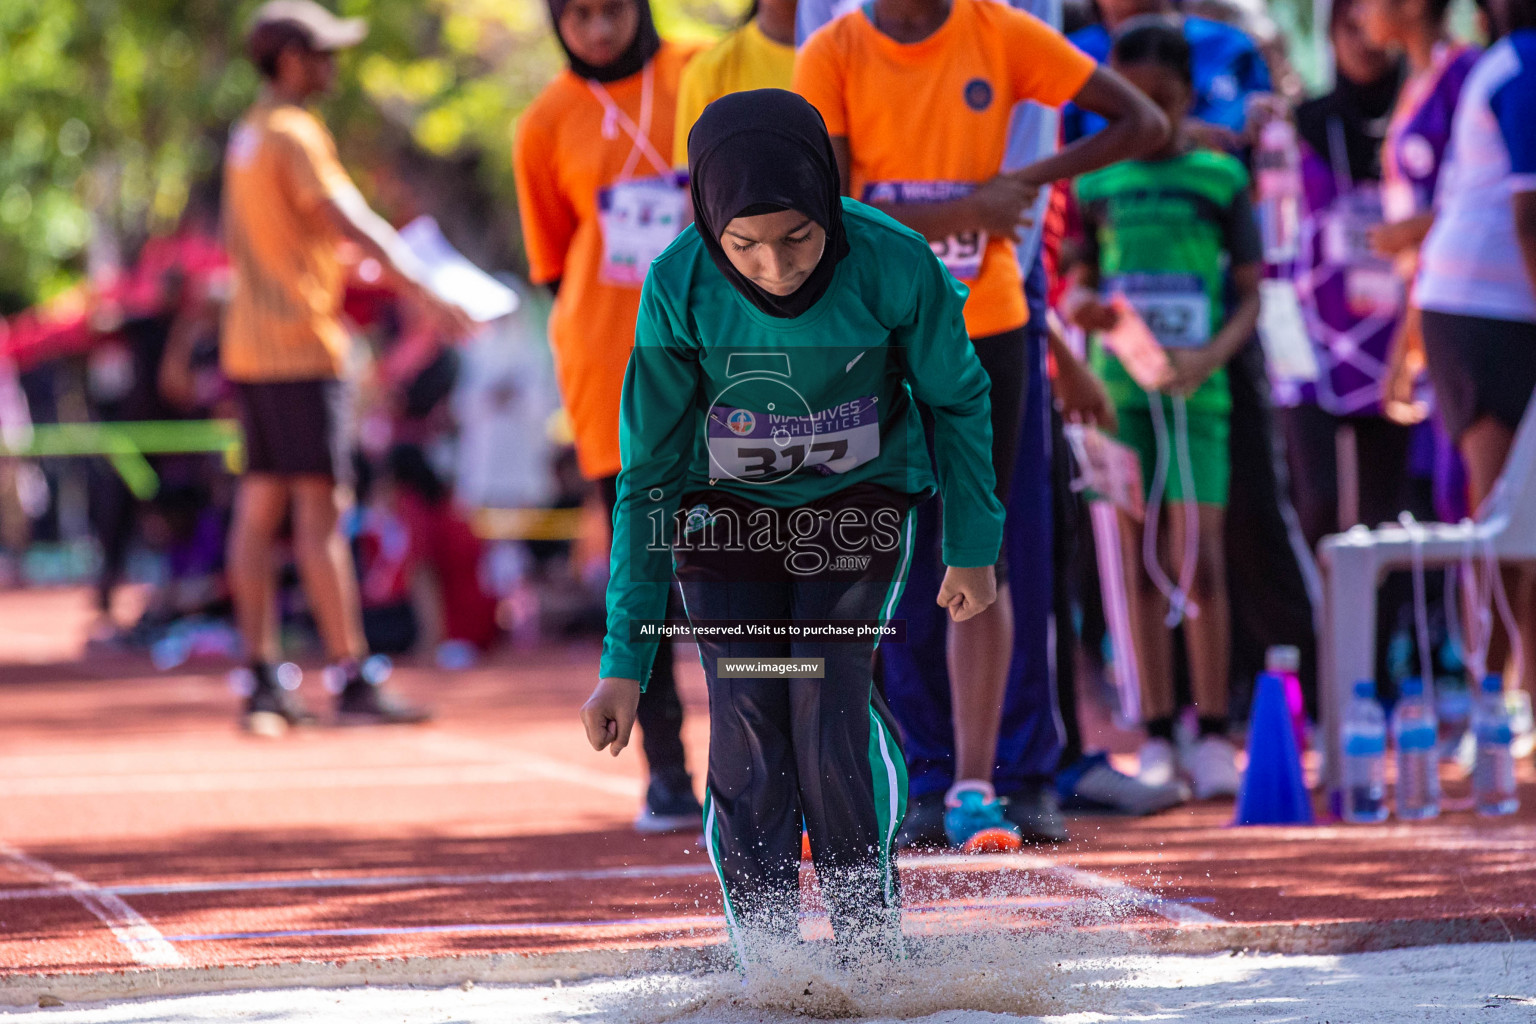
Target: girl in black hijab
pixel 772 454
pixel 760 152
pixel 594 38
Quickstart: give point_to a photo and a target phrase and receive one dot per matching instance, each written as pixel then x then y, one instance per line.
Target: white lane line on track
pixel 1110 888
pixel 468 762
pixel 1177 911
pixel 445 744
pixel 142 940
pixel 378 881
pixel 912 916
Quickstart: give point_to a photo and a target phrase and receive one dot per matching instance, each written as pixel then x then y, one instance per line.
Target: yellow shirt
pixel 284 315
pixel 745 59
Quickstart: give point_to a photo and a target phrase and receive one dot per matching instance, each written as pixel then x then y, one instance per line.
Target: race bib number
pixel 639 218
pixel 761 446
pixel 961 253
pixel 1371 286
pixel 1175 307
pixel 1373 291
pixel 1347 230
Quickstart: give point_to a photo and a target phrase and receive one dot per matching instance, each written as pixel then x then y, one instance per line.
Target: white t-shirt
pixel 1471 263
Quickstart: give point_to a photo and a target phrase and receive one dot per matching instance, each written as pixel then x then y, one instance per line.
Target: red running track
pixel 141 831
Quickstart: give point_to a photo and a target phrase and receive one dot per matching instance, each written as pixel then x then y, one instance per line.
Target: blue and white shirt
pixel 1032 132
pixel 1228 68
pixel 1471 262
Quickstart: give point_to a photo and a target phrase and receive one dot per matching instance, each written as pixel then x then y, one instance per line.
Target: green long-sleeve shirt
pixel 719 394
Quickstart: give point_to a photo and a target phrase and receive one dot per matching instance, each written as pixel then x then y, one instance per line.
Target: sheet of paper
pixel 1133 342
pixel 1283 333
pixel 453 277
pixel 1107 469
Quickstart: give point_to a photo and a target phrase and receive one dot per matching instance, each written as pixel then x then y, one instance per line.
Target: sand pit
pixel 1493 983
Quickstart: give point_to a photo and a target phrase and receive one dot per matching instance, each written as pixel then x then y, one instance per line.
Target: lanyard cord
pixel 1180 606
pixel 1420 600
pixel 614 118
pixel 1338 156
pixel 1488 593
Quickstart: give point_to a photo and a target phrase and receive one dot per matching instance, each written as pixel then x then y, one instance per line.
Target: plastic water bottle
pixel 1277 161
pixel 1365 756
pixel 1493 772
pixel 1285 662
pixel 1418 762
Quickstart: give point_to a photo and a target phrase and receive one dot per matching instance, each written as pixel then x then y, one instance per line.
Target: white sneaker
pixel 1157 763
pixel 1521 722
pixel 1213 768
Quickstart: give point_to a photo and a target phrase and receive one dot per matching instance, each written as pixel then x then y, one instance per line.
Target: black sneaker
pixel 924 824
pixel 1035 810
pixel 670 805
pixel 362 699
pixel 272 703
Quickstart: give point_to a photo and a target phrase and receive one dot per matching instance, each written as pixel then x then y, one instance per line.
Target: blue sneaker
pixel 974 822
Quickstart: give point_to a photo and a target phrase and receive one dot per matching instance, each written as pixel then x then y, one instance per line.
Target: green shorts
pixel 1209 458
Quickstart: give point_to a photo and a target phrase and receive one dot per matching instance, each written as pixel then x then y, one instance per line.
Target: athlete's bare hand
pixel 609 714
pixel 1093 315
pixel 1192 367
pixel 967 592
pixel 1002 204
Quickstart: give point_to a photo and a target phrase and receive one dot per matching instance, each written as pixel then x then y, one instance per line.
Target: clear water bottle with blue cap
pixel 1493 771
pixel 1365 756
pixel 1418 762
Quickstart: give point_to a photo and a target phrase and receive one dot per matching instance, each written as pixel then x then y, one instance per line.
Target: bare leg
pixel 325 565
pixel 1484 448
pixel 979 651
pixel 260 505
pixel 1148 610
pixel 1207 636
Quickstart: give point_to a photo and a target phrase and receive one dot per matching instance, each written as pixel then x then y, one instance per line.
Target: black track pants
pixel 786 750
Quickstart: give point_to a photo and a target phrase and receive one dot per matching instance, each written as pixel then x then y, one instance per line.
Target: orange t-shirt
pixel 927 120
pixel 284 315
pixel 569 147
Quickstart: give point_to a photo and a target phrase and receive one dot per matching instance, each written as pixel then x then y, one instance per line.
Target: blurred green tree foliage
pixel 111 111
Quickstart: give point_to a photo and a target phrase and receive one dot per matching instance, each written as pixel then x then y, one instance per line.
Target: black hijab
pixel 631 62
pixel 758 152
pixel 1361 109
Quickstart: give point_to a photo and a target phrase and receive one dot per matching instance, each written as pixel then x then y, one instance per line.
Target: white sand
pixel 1483 983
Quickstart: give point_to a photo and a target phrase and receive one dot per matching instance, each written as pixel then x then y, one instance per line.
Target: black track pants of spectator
pixel 1269 598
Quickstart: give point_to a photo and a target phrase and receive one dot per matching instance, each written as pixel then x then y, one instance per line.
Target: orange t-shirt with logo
pixel 927 120
pixel 570 147
pixel 284 315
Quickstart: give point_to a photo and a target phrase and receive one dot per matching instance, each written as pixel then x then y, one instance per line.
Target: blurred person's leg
pixel 1267 587
pixel 1484 374
pixel 325 567
pixel 1212 762
pixel 113 513
pixel 1208 634
pixel 261 504
pixel 1064 556
pixel 1311 455
pixel 914 677
pixel 979 649
pixel 1031 732
pixel 670 802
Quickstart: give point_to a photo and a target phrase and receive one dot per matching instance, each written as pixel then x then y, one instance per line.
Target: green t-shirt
pixel 720 395
pixel 1165 233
